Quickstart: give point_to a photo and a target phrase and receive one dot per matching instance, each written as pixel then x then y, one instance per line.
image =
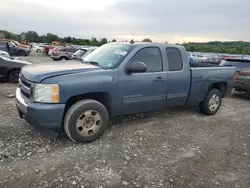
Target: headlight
pixel 47 93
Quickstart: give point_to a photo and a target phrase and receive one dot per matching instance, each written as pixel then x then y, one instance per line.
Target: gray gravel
pixel 172 148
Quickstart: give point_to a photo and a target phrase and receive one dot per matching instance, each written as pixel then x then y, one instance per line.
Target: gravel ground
pixel 172 148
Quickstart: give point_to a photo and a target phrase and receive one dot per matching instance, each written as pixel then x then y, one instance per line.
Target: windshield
pixel 80 53
pixel 109 55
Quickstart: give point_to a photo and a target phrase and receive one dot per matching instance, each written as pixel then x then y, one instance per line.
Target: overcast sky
pixel 161 20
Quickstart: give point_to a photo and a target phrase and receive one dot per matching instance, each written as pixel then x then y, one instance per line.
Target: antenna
pixel 132 41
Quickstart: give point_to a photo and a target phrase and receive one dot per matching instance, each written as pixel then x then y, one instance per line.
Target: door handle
pixel 159 79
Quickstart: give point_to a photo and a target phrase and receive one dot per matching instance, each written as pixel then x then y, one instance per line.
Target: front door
pixel 142 92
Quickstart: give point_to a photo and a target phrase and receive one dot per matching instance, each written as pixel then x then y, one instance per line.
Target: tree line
pixel 234 47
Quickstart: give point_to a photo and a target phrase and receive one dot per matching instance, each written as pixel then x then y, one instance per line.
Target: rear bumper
pixel 40 116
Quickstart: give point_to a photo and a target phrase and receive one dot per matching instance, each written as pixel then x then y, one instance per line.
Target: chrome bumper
pixel 21 104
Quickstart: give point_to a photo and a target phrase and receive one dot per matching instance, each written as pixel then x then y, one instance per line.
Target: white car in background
pixel 38 49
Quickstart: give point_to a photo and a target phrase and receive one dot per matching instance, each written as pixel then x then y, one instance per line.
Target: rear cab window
pixel 174 58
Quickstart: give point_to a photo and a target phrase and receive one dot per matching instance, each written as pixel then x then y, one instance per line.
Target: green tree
pixel 114 40
pixel 32 36
pixel 104 41
pixel 147 40
pixel 52 37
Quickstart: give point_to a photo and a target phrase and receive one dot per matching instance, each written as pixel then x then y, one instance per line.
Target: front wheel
pixel 13 76
pixel 38 51
pixel 86 121
pixel 63 58
pixel 21 53
pixel 212 102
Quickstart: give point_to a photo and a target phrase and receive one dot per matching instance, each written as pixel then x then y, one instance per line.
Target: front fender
pixel 78 84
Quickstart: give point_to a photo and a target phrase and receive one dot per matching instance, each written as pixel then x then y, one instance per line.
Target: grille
pixel 25 87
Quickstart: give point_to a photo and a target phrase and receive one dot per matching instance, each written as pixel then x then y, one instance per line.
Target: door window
pixel 151 57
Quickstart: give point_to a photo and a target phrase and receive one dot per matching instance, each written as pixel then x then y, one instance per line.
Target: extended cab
pixel 116 79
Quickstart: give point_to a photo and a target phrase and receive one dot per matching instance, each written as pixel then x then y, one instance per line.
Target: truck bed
pixel 203 77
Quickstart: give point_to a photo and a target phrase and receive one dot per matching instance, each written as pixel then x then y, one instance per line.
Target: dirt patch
pixel 172 148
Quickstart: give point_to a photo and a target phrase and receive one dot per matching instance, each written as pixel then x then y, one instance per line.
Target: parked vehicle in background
pixel 50 51
pixel 38 49
pixel 242 80
pixel 10 68
pixel 62 53
pixel 238 63
pixel 13 49
pixel 81 53
pixel 23 50
pixel 47 48
pixel 116 79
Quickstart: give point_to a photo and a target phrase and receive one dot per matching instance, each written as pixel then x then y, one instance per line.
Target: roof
pixel 148 44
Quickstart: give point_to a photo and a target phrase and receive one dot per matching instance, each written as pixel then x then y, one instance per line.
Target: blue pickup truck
pixel 116 79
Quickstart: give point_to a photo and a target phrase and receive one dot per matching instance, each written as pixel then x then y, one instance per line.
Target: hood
pixel 21 61
pixel 23 47
pixel 38 72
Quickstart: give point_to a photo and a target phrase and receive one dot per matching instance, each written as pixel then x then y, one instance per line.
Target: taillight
pixel 235 77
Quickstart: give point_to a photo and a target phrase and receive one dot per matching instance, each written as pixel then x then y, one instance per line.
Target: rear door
pixel 70 52
pixel 178 77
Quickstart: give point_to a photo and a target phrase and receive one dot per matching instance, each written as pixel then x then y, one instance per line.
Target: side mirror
pixel 136 67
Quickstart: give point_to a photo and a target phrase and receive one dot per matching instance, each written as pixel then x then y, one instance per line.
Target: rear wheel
pixel 86 121
pixel 13 76
pixel 212 102
pixel 38 51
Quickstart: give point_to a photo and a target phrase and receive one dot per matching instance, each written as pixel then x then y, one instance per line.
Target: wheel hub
pixel 89 122
pixel 214 102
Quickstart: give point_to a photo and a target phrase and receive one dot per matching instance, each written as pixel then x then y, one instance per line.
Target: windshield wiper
pixel 92 63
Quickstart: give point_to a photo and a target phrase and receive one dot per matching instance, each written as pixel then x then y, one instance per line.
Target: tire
pixel 21 53
pixel 216 97
pixel 63 58
pixel 13 76
pixel 85 113
pixel 38 51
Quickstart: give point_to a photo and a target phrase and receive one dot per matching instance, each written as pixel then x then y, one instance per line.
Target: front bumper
pixel 40 115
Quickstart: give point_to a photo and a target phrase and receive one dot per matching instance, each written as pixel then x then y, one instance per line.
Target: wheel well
pixel 222 86
pixel 63 57
pixel 102 97
pixel 11 70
